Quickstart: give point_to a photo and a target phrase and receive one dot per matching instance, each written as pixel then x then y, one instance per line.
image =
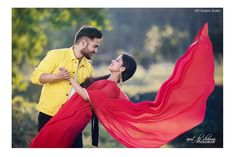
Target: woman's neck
pixel 115 76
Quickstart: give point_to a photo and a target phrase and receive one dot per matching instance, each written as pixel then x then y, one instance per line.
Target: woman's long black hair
pixel 90 80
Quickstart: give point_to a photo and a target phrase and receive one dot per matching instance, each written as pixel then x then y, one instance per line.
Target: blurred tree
pixel 24 122
pixel 164 43
pixel 153 40
pixel 131 25
pixel 29 34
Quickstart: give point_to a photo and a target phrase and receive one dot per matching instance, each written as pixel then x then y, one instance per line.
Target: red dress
pixel 179 106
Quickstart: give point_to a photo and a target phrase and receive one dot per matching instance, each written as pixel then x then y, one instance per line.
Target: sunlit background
pixel 155 37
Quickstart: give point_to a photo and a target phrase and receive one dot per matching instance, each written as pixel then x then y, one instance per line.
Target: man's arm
pixel 43 73
pixel 63 74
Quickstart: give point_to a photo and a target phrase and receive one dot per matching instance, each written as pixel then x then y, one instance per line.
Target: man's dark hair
pixel 87 31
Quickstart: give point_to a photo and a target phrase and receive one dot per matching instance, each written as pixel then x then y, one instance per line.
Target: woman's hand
pixel 79 89
pixel 71 80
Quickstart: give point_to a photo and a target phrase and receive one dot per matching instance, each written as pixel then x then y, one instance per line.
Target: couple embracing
pixel 71 97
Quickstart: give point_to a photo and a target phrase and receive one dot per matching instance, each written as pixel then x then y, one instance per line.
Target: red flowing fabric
pixel 179 106
pixel 62 129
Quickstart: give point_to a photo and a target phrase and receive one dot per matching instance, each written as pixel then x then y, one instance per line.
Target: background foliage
pixel 156 37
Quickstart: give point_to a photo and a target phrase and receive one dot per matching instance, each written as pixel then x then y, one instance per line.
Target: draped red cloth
pixel 178 107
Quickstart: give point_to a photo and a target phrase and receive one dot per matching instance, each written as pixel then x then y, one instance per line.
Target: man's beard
pixel 86 53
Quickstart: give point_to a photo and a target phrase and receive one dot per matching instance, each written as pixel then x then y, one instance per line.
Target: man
pixel 58 66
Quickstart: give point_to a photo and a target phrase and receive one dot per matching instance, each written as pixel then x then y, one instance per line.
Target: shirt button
pixel 75 62
pixel 73 72
pixel 70 84
pixel 67 95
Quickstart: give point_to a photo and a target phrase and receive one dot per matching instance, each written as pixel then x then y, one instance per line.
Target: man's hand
pixel 63 74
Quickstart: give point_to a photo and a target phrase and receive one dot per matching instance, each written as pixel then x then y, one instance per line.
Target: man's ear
pixel 123 69
pixel 84 43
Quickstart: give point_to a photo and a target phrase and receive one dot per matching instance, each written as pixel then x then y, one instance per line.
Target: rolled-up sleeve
pixel 47 65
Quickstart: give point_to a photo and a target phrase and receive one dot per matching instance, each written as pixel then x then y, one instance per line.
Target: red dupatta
pixel 179 106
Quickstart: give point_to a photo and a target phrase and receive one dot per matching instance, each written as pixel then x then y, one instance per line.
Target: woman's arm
pixel 81 91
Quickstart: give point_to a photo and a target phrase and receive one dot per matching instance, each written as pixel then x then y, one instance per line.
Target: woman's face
pixel 116 64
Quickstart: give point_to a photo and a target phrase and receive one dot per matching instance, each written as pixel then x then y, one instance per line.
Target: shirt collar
pixel 71 54
pixel 83 61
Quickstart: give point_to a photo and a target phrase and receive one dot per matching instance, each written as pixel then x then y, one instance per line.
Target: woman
pixel 76 113
pixel 179 106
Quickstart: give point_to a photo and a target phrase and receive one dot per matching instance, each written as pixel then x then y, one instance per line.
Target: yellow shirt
pixel 54 95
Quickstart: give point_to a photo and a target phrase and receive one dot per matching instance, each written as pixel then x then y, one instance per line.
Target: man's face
pixel 91 48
